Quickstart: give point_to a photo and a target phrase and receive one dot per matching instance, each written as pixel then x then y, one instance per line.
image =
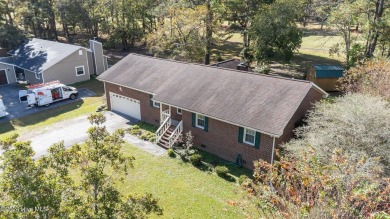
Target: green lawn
pixel 68 111
pixel 183 190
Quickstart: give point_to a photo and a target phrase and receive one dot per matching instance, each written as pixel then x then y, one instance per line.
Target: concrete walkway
pixel 75 131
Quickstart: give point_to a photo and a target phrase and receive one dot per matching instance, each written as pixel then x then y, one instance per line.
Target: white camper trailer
pixel 47 93
pixel 2 109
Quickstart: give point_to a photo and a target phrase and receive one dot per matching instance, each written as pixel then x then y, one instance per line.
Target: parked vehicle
pixel 47 93
pixel 3 112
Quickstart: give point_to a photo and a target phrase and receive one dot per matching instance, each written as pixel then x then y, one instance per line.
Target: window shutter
pixel 206 124
pixel 193 119
pixel 150 100
pixel 240 134
pixel 257 140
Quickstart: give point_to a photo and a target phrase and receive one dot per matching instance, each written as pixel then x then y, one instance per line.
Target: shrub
pixel 144 136
pixel 242 179
pixel 171 153
pixel 135 130
pixel 196 159
pixel 221 171
pixel 152 139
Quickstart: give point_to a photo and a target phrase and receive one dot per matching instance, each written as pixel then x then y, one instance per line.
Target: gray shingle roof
pixel 37 55
pixel 263 103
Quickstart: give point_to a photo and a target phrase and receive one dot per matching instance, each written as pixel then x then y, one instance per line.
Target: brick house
pixel 229 112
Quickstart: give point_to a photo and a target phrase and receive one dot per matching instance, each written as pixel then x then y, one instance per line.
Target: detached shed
pixel 325 76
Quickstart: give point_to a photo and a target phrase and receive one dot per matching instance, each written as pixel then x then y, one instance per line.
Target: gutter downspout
pixel 273 151
pixel 272 162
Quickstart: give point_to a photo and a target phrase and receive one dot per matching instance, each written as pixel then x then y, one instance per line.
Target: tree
pixel 372 77
pixel 343 18
pixel 240 15
pixel 339 165
pixel 101 164
pixel 276 37
pixel 44 188
pixel 27 185
pixel 183 37
pixel 10 36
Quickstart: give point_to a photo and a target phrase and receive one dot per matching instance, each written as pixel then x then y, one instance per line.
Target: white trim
pixel 36 76
pixel 6 76
pixel 254 137
pixel 16 77
pixel 94 56
pixel 127 87
pixel 177 111
pixel 86 58
pixel 43 78
pixel 325 94
pixel 155 104
pixel 196 120
pixel 82 66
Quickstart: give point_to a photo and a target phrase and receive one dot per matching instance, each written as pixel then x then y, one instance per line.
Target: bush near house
pixel 142 133
pixel 196 159
pixel 221 171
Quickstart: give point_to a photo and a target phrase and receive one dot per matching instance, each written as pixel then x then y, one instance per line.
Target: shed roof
pixel 38 55
pixel 263 103
pixel 328 71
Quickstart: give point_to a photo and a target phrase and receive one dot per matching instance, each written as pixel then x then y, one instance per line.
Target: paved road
pixel 75 131
pixel 10 94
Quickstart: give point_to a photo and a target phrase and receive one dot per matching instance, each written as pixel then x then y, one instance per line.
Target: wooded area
pixel 189 30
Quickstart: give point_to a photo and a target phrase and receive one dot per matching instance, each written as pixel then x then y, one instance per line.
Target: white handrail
pixel 163 128
pixel 175 134
pixel 165 114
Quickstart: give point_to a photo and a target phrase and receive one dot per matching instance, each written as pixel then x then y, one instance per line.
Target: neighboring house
pixel 230 113
pixel 233 64
pixel 325 76
pixel 39 61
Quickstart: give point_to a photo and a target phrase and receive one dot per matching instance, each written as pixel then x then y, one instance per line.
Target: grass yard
pixel 72 110
pixel 183 190
pixel 314 50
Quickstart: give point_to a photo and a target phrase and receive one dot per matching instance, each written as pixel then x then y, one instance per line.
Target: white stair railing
pixel 175 134
pixel 164 115
pixel 163 128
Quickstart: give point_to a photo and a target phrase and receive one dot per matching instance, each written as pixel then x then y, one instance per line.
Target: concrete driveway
pixel 75 131
pixel 15 109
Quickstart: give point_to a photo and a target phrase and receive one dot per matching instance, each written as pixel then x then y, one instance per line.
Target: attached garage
pixel 125 105
pixel 3 77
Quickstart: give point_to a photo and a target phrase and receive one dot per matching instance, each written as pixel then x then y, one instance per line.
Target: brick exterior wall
pixel 221 138
pixel 148 114
pixel 307 104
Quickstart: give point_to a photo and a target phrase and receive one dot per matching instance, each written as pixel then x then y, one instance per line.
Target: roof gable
pixel 264 103
pixel 38 55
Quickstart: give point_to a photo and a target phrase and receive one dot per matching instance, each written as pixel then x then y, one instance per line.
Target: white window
pixel 156 104
pixel 200 121
pixel 80 52
pixel 179 111
pixel 249 136
pixel 80 70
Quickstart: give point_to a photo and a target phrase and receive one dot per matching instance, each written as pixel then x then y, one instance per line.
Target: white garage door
pixel 125 105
